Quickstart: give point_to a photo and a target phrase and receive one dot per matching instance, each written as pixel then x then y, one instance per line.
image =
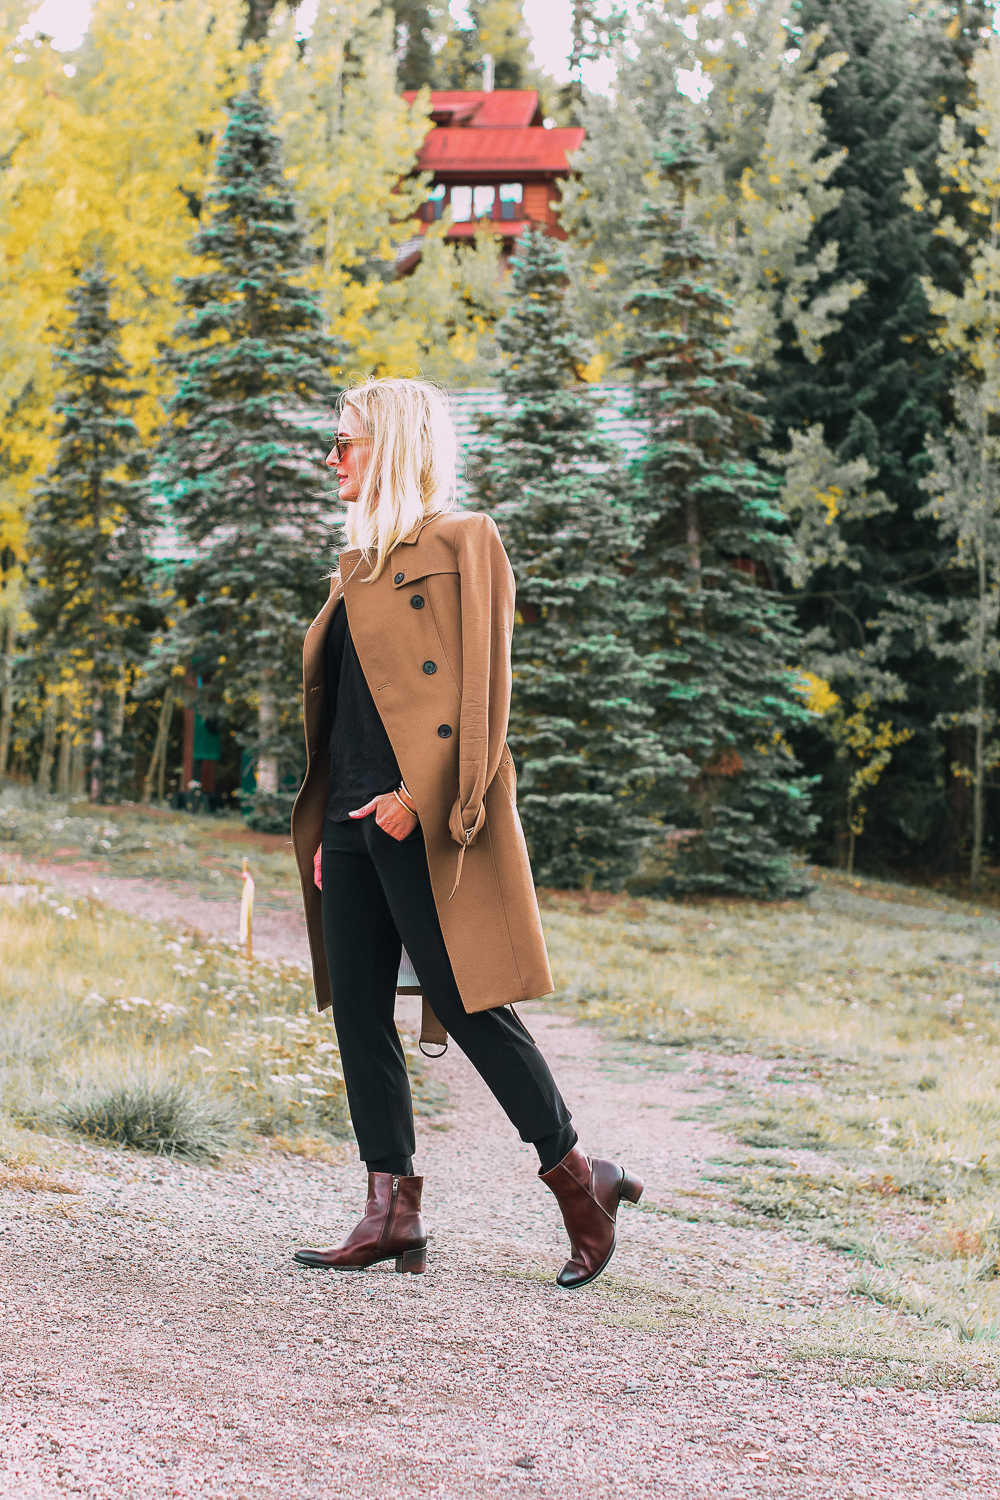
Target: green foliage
pixel 417 26
pixel 578 725
pixel 90 586
pixel 498 30
pixel 964 483
pixel 242 458
pixel 879 389
pixel 759 192
pixel 615 173
pixel 722 643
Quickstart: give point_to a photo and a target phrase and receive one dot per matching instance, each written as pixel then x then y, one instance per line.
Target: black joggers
pixel 377 897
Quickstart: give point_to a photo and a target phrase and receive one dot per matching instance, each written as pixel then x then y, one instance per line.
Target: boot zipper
pixel 390 1212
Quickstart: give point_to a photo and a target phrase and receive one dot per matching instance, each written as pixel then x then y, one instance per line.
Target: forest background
pixel 772 634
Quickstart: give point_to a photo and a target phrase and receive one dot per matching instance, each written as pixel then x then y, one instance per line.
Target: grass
pixel 204 854
pixel 855 1038
pixel 124 1033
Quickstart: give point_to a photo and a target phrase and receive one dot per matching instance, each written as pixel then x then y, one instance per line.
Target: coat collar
pixel 347 561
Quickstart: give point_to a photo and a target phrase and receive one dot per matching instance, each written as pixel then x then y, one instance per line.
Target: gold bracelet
pixel 411 810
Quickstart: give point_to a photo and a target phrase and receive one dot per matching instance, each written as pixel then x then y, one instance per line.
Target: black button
pixel 444 730
pixel 430 667
pixel 416 601
pixel 399 578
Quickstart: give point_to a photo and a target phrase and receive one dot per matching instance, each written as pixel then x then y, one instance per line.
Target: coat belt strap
pixel 470 834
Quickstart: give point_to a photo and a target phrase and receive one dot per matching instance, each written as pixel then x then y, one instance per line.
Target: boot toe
pixel 312 1257
pixel 572 1276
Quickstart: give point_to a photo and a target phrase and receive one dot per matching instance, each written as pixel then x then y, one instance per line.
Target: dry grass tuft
pixel 32 1180
pixel 130 1035
pixel 314 1148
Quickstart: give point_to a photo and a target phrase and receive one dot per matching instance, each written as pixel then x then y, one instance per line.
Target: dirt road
pixel 159 1341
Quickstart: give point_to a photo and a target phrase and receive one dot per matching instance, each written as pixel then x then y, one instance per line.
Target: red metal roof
pixel 504 109
pixel 498 155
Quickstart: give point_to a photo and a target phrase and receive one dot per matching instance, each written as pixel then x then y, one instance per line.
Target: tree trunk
pixel 976 870
pixel 850 836
pixel 693 539
pixel 65 752
pixel 97 751
pixel 158 763
pixel 958 755
pixel 43 780
pixel 113 754
pixel 267 765
pixel 7 703
pixel 78 771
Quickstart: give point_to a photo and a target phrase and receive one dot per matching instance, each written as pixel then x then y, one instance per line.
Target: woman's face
pixel 350 468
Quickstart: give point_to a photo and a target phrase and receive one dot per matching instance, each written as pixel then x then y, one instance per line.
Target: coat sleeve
pixel 487 584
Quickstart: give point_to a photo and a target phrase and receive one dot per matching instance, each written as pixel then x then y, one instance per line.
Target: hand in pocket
pixel 390 815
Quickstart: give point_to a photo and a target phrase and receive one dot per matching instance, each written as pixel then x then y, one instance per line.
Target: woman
pixel 406 831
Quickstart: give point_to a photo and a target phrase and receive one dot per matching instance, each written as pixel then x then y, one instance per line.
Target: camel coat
pixel 432 634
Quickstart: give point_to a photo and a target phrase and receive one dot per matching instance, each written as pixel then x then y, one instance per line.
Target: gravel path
pixel 161 1343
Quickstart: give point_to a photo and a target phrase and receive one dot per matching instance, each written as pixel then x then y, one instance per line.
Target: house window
pixel 482 202
pixel 461 204
pixel 434 207
pixel 510 200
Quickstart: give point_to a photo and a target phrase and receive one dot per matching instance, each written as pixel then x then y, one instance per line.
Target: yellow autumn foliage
pixel 109 165
pixel 108 156
pixel 819 695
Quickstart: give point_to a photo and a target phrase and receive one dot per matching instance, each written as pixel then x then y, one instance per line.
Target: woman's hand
pixel 318 868
pixel 390 815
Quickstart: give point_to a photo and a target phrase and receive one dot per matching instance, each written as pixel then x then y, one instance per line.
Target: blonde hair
pixel 411 470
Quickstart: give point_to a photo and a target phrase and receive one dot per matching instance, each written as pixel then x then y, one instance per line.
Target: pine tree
pixel 578 723
pixel 878 390
pixel 90 581
pixel 242 462
pixel 721 639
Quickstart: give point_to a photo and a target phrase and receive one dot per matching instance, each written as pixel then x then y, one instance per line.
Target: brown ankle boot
pixel 588 1191
pixel 391 1229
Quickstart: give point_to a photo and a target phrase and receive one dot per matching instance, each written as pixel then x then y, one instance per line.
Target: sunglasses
pixel 340 444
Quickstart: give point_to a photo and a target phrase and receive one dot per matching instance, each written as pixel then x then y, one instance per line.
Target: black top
pixel 362 761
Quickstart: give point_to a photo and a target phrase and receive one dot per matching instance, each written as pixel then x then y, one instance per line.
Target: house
pixel 492 160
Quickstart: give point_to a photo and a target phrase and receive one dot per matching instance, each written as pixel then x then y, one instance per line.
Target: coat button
pixel 444 730
pixel 399 578
pixel 416 601
pixel 430 667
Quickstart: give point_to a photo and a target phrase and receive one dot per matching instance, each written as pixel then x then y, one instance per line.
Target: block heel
pixel 631 1188
pixel 414 1261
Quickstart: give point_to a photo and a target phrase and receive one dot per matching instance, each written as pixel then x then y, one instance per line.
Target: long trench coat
pixel 432 634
